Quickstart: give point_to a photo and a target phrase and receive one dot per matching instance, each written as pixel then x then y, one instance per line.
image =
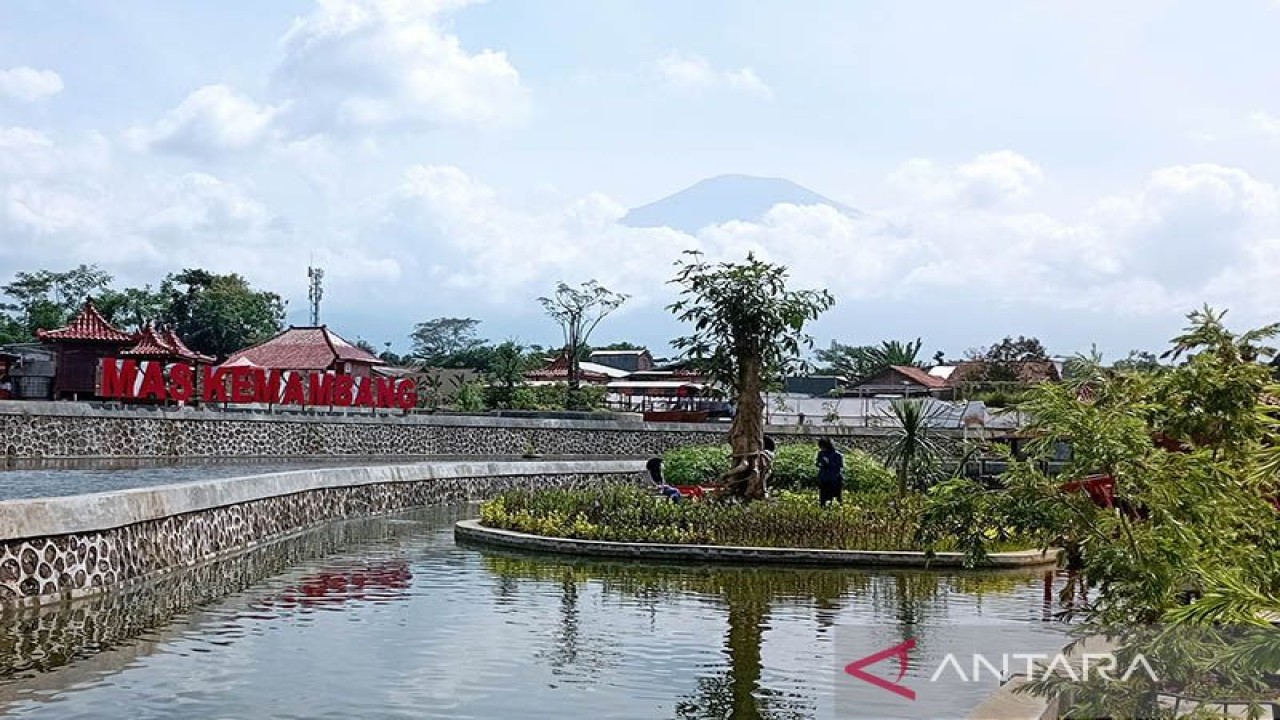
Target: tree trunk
pixel 746 434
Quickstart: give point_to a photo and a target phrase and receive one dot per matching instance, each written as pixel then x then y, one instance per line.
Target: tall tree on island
pixel 748 329
pixel 578 311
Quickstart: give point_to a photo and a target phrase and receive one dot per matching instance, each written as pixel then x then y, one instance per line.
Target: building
pixel 307 349
pixel 629 360
pixel 164 346
pixel 591 373
pixel 899 381
pixel 1030 372
pixel 811 385
pixel 79 348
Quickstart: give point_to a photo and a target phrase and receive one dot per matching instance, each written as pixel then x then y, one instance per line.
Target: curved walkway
pixel 474 531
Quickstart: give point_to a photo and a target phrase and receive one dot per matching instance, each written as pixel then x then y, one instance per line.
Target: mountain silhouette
pixel 724 198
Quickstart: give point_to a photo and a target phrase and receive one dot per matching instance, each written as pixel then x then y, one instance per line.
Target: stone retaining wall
pixel 80 430
pixel 65 547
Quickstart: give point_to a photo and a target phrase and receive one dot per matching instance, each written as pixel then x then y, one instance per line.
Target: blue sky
pixel 1081 171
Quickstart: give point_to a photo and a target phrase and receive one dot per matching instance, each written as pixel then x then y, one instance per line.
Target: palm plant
pixel 912 449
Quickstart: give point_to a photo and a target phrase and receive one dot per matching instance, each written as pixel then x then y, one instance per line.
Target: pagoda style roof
pixel 303 348
pixel 176 341
pixel 163 344
pixel 87 326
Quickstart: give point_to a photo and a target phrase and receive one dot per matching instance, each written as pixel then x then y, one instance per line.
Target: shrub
pixel 869 521
pixel 793 467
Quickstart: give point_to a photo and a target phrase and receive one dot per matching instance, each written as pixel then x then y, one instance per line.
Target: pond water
pixel 83 477
pixel 390 618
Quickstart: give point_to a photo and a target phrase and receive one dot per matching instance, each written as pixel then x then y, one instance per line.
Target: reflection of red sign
pixel 152 380
pixel 382 581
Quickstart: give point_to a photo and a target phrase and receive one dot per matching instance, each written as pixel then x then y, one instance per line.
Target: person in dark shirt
pixel 830 472
pixel 654 466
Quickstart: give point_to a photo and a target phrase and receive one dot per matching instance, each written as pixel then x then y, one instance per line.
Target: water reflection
pixel 45 638
pixel 389 617
pixel 917 601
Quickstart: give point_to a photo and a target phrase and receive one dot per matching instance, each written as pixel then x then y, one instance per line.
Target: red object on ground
pixel 695 492
pixel 1101 489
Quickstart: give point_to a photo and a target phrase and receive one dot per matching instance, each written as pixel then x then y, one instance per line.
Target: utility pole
pixel 315 291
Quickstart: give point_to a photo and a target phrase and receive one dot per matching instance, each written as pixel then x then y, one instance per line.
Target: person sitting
pixel 654 466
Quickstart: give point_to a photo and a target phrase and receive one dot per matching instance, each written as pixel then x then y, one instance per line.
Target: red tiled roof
pixel 303 348
pixel 918 376
pixel 181 347
pixel 87 326
pixel 164 344
pixel 151 344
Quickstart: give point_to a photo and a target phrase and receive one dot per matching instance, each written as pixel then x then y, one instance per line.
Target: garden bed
pixel 473 530
pixel 865 529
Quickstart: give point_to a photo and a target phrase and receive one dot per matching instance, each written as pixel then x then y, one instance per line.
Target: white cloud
pixel 369 64
pixel 1265 122
pixel 986 181
pixel 29 85
pixel 696 72
pixel 213 119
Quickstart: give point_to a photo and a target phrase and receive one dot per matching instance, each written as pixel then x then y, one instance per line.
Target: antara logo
pixel 899 651
pixel 977 667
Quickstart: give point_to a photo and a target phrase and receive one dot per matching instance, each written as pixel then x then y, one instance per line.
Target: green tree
pixel 913 451
pixel 219 314
pixel 1001 362
pixel 507 367
pixel 44 299
pixel 132 308
pixel 748 330
pixel 578 311
pixel 1191 543
pixel 449 342
pixel 861 361
pixel 1138 361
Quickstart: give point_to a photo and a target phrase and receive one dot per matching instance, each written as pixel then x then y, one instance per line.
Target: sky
pixel 1081 171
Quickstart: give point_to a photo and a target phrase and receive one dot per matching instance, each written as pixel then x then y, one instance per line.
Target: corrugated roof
pixel 303 348
pixel 87 326
pixel 559 368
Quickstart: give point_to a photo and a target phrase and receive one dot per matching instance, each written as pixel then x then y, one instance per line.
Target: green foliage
pixel 578 311
pixel 470 396
pixel 913 452
pixel 131 308
pixel 748 332
pixel 507 366
pixel 862 361
pixel 632 514
pixel 1194 542
pixel 552 397
pixel 743 316
pixel 1000 362
pixel 793 468
pixel 219 314
pixel 450 343
pixel 43 300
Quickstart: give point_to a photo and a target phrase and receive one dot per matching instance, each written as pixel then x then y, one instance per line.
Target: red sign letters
pixel 153 380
